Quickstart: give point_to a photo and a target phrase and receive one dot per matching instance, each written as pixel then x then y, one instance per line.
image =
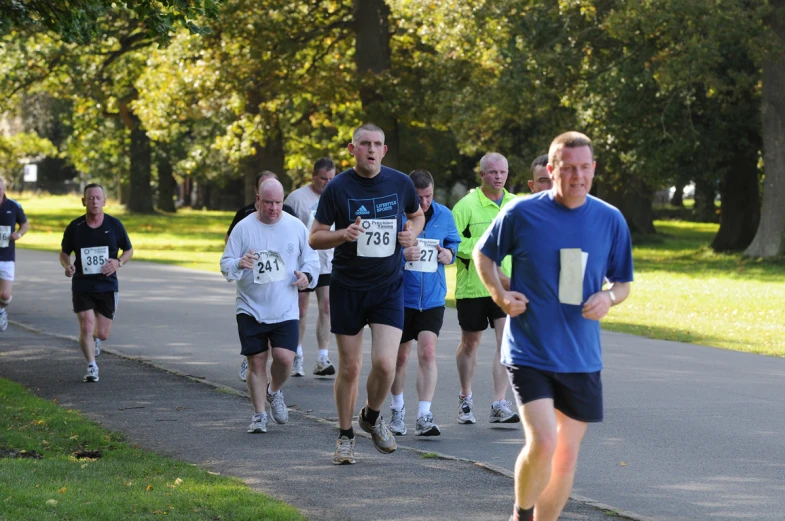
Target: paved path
pixel 690 432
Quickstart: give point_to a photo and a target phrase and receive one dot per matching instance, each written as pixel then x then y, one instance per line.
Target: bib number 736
pixel 378 238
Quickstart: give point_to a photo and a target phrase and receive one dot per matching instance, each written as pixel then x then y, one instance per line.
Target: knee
pixel 102 335
pixel 303 312
pixel 5 297
pixel 468 346
pixel 349 369
pixel 324 306
pixel 403 358
pixel 427 354
pixel 385 368
pixel 542 447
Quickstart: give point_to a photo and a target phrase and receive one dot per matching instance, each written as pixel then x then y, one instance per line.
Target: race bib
pixel 428 261
pixel 572 268
pixel 93 259
pixel 378 239
pixel 269 267
pixel 5 236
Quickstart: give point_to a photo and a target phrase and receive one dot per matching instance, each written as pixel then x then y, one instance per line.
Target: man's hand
pixel 597 306
pixel 354 230
pixel 406 238
pixel 412 253
pixel 512 303
pixel 110 266
pixel 15 236
pixel 70 270
pixel 247 261
pixel 301 281
pixel 445 255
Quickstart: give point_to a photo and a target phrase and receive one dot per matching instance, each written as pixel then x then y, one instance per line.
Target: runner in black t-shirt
pixel 367 204
pixel 96 239
pixel 11 215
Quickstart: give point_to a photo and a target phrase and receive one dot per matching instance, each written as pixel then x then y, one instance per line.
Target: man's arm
pixel 466 246
pixel 65 262
pixel 598 305
pixel 415 222
pixel 511 302
pixel 322 238
pixel 23 229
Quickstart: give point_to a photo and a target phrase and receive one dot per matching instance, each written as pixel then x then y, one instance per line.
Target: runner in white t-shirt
pixel 269 257
pixel 304 202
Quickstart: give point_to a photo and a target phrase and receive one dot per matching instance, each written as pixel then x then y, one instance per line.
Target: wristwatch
pixel 119 263
pixel 612 295
pixel 309 277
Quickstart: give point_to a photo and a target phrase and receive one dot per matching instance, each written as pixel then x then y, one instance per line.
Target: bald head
pixel 270 201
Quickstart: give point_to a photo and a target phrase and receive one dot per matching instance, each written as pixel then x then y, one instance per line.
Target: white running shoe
pixel 278 409
pixel 502 413
pixel 344 452
pixel 3 320
pixel 97 346
pixel 426 427
pixel 397 424
pixel 465 410
pixel 324 367
pixel 92 374
pixel 243 369
pixel 258 423
pixel 297 366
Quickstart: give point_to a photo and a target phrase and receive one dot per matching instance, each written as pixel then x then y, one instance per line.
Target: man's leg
pixel 297 367
pixel 401 368
pixel 280 368
pixel 323 322
pixel 103 327
pixel 426 367
pixel 5 293
pixel 87 326
pixel 466 358
pixel 350 360
pixel 533 466
pixel 385 341
pixel 500 379
pixel 565 460
pixel 256 380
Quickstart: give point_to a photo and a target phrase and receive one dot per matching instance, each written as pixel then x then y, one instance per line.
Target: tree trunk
pixel 372 59
pixel 140 193
pixel 740 211
pixel 269 156
pixel 769 240
pixel 678 195
pixel 166 185
pixel 633 199
pixel 705 210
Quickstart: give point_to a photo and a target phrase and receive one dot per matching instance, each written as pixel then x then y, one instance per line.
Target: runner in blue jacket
pixel 424 289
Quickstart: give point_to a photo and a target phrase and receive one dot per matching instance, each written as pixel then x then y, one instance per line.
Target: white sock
pixel 497 403
pixel 425 408
pixel 397 401
pixel 462 396
pixel 323 354
pixel 299 350
pixel 92 364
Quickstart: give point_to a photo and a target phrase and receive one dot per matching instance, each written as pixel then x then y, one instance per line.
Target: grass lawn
pixel 86 472
pixel 682 290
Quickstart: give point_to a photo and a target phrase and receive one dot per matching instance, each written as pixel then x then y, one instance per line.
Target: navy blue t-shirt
pixel 11 214
pixel 388 195
pixel 550 335
pixel 79 235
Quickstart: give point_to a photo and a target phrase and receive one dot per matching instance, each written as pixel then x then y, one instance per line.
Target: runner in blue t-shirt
pixel 11 215
pixel 563 243
pixel 96 239
pixel 367 204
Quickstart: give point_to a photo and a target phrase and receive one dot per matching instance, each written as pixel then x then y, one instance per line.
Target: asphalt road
pixel 690 432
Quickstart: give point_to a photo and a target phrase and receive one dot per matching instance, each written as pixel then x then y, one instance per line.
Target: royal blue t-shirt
pixel 79 235
pixel 549 335
pixel 11 214
pixel 388 195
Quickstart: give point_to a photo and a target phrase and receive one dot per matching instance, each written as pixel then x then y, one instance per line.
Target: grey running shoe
pixel 324 367
pixel 397 425
pixel 92 374
pixel 258 423
pixel 297 366
pixel 344 452
pixel 426 427
pixel 501 413
pixel 3 320
pixel 243 369
pixel 278 409
pixel 465 410
pixel 383 439
pixel 97 346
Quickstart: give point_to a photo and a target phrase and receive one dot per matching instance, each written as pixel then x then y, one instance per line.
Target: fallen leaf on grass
pixel 149 488
pixel 62 490
pixel 52 502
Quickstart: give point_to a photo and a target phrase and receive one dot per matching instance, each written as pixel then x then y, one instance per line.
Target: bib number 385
pixel 269 267
pixel 93 258
pixel 378 238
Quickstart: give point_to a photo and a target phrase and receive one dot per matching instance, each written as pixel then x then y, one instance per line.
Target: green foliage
pixel 79 21
pixel 21 148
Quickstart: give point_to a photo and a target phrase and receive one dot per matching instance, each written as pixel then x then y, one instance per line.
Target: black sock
pixel 349 433
pixel 370 415
pixel 523 514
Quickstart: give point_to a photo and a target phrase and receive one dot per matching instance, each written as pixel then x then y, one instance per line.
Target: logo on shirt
pixel 290 248
pixel 376 207
pixel 362 210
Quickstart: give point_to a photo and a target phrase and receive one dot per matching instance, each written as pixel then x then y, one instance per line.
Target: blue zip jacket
pixel 427 290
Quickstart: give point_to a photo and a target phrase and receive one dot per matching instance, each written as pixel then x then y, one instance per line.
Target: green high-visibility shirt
pixel 473 215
